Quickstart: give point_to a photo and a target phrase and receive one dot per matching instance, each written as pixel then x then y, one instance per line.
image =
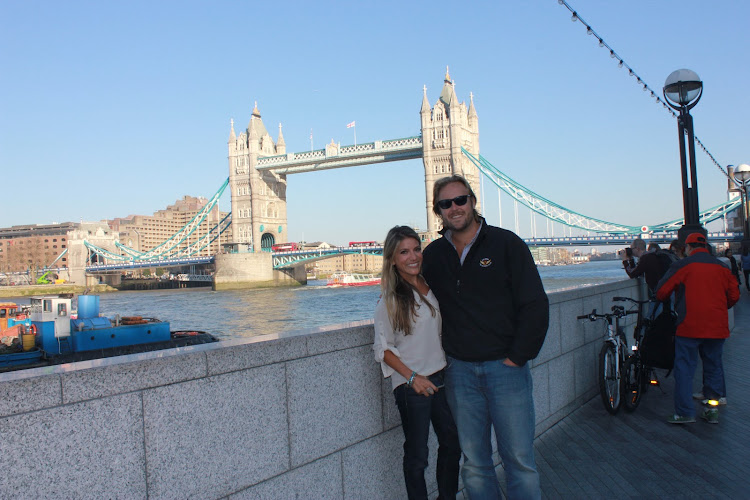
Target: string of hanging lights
pixel 622 64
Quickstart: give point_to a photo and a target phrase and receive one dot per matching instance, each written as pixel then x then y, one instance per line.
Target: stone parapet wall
pixel 301 415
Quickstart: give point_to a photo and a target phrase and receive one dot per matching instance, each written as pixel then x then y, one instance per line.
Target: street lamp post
pixel 742 174
pixel 682 91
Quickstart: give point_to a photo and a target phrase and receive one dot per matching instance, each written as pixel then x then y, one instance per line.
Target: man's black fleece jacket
pixel 494 305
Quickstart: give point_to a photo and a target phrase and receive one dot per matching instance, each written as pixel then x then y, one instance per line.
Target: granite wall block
pixel 372 468
pixel 321 479
pixel 354 334
pixel 586 367
pixel 242 356
pixel 19 395
pixel 85 450
pixel 540 376
pixel 561 381
pixel 333 402
pixel 552 346
pixel 211 437
pixel 123 374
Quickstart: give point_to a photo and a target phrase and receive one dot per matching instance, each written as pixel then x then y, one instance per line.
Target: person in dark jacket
pixel 495 318
pixel 733 263
pixel 704 289
pixel 745 261
pixel 648 265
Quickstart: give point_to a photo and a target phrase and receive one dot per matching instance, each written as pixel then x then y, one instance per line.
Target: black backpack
pixel 666 259
pixel 657 345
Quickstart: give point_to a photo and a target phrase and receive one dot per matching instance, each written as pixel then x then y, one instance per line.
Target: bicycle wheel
pixel 633 382
pixel 609 381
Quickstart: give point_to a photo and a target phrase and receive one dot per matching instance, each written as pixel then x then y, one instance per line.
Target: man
pixel 495 317
pixel 649 265
pixel 704 290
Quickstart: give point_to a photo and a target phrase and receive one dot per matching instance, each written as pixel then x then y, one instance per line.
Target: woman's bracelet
pixel 411 379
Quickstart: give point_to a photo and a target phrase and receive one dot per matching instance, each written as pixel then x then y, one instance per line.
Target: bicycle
pixel 611 357
pixel 636 374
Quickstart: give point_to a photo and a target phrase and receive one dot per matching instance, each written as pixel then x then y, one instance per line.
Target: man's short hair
pixel 638 243
pixel 696 240
pixel 444 181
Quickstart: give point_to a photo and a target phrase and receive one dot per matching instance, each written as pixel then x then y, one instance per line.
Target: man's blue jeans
pixel 490 393
pixel 686 352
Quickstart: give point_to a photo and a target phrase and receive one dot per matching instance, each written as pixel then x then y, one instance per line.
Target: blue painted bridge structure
pixel 286 260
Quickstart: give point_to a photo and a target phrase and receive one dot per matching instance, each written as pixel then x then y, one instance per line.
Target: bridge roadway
pixel 624 239
pixel 333 156
pixel 592 454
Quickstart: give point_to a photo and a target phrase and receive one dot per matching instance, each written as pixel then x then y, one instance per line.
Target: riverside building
pixel 144 232
pixel 34 246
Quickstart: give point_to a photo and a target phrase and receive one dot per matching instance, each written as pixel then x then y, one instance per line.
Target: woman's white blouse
pixel 421 350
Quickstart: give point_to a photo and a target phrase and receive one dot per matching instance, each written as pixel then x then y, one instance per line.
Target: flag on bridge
pixel 350 125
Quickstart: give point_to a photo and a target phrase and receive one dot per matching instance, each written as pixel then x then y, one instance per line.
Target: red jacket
pixel 704 289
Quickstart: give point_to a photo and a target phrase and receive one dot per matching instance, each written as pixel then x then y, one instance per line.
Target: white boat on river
pixel 352 279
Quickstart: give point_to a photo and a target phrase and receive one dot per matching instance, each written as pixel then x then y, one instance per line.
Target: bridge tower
pixel 258 197
pixel 446 127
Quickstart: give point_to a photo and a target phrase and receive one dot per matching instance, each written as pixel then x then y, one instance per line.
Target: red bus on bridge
pixel 286 247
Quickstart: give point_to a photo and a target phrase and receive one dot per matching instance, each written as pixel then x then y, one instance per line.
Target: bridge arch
pixel 266 242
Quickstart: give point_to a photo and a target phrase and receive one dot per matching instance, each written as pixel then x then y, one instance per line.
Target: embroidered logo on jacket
pixel 486 262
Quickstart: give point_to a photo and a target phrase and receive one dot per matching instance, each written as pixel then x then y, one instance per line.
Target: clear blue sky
pixel 117 108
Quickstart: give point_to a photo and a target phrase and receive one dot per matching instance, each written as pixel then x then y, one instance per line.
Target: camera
pixel 626 253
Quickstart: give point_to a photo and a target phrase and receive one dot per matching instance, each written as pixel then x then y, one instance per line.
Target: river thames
pixel 244 313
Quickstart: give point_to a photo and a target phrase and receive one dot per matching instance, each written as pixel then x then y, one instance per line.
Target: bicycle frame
pixel 611 357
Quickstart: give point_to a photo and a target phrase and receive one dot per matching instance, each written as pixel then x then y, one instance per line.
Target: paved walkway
pixel 592 454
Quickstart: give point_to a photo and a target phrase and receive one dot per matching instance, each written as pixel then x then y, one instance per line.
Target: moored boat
pixel 352 279
pixel 53 335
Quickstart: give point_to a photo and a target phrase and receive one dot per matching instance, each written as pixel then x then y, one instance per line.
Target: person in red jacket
pixel 704 289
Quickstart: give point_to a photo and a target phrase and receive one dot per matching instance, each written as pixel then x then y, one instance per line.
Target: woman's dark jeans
pixel 417 412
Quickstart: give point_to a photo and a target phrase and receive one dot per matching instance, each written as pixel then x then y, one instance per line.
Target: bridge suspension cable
pixel 543 206
pixel 621 63
pixel 558 213
pixel 175 246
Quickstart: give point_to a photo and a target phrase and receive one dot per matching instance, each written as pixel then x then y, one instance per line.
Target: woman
pixel 407 343
pixel 677 247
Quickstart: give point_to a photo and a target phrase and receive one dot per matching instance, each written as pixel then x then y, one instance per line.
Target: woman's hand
pixel 423 386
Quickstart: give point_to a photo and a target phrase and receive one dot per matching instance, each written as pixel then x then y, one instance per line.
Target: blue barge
pixel 61 336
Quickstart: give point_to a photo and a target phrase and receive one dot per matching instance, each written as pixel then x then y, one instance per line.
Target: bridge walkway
pixel 591 454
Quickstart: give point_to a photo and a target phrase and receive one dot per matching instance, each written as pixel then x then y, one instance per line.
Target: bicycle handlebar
pixel 617 312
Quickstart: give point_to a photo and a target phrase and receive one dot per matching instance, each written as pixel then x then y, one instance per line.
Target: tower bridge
pixel 258 166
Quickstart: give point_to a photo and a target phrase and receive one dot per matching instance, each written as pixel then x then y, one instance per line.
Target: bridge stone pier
pixel 254 270
pixel 258 166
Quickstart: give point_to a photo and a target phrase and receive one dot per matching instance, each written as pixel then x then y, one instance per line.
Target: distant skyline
pixel 112 109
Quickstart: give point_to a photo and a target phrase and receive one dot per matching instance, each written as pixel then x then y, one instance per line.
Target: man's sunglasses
pixel 458 200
